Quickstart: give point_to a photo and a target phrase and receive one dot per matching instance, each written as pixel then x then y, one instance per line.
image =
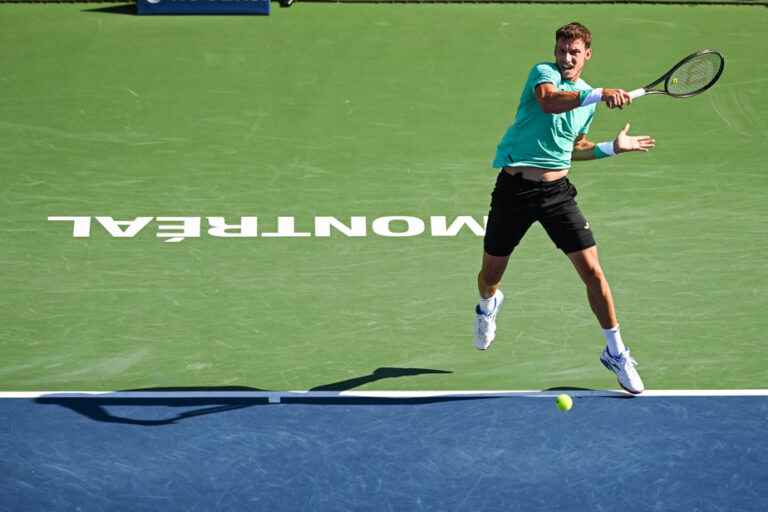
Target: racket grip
pixel 637 93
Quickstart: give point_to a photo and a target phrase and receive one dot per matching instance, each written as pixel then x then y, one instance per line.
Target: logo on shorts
pixel 586 226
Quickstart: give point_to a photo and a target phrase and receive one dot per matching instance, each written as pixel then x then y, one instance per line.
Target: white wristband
pixel 594 96
pixel 607 148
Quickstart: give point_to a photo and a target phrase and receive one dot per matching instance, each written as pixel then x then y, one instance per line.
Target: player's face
pixel 571 55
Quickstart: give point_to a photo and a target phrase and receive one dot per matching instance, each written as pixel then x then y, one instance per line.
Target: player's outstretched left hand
pixel 625 142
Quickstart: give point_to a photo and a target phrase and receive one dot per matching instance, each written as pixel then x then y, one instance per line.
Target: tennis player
pixel 549 131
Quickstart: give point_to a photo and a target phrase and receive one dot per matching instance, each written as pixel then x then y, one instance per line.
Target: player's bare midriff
pixel 537 173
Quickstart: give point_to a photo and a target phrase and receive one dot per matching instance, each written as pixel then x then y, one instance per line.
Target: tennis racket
pixel 693 75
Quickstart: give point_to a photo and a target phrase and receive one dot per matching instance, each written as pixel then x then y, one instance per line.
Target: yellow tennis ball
pixel 564 402
pixel 674 81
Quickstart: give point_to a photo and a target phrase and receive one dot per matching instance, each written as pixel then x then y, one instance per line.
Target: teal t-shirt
pixel 538 139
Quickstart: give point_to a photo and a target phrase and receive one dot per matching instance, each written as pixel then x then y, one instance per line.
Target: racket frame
pixel 648 89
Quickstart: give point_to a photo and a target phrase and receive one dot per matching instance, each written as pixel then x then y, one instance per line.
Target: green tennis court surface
pixel 371 111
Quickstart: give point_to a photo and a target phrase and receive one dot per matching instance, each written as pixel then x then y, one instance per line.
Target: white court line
pixel 276 396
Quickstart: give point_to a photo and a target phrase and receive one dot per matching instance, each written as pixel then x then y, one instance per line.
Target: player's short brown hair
pixel 574 31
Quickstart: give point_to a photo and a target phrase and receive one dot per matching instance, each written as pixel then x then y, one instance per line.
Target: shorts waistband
pixel 519 173
pixel 537 183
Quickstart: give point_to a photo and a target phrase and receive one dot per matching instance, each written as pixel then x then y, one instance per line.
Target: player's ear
pixel 588 54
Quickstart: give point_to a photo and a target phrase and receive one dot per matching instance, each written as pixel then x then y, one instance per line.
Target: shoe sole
pixel 608 366
pixel 486 347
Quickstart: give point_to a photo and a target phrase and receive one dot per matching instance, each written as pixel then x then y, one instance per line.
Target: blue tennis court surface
pixel 439 453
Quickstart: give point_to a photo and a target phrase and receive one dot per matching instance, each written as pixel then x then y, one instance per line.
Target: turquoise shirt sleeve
pixel 543 73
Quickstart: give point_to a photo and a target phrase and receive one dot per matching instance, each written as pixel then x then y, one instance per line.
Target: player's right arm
pixel 554 101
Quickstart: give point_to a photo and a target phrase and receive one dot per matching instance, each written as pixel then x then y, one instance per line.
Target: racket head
pixel 694 74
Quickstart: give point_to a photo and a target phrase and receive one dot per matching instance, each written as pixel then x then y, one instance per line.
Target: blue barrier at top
pixel 202 6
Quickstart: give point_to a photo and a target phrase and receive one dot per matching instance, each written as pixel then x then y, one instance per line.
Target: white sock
pixel 613 340
pixel 488 305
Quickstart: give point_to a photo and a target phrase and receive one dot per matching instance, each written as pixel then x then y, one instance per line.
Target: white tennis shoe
pixel 485 323
pixel 624 367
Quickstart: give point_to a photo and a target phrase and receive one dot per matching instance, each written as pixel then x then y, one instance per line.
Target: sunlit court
pixel 241 256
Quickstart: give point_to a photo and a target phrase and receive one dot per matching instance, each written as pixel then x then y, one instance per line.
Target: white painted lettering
pixel 176 229
pixel 81 226
pixel 383 226
pixel 356 226
pixel 189 228
pixel 248 227
pixel 113 226
pixel 286 227
pixel 440 226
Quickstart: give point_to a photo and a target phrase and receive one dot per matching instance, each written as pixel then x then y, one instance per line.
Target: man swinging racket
pixel 555 112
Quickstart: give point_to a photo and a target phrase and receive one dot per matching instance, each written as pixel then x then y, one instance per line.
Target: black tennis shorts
pixel 517 203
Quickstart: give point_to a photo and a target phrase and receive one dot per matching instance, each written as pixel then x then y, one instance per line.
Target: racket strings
pixel 694 75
